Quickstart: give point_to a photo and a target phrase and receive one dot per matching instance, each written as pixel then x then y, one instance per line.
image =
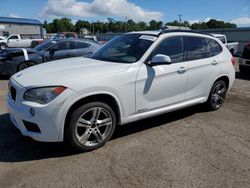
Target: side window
pixel 172 47
pixel 70 35
pixel 62 46
pixel 198 48
pixel 13 37
pixel 215 46
pixel 80 45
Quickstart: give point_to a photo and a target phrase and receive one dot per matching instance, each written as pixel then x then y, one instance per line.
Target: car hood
pixel 65 72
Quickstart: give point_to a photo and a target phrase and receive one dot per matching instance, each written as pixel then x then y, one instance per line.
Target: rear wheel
pixel 90 126
pixel 217 95
pixel 3 46
pixel 25 65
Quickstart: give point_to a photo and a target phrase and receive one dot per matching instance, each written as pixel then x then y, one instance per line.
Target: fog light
pixel 32 112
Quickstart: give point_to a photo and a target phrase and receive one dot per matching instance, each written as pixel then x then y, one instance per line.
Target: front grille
pixel 13 93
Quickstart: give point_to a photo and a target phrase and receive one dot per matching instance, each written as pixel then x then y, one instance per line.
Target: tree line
pixel 111 25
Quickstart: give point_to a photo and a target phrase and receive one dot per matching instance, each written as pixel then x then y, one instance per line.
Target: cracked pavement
pixel 187 148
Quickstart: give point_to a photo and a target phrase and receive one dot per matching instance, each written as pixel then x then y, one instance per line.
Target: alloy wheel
pixel 93 127
pixel 218 95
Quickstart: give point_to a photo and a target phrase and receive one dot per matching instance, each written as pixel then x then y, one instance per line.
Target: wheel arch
pixel 18 64
pixel 105 97
pixel 224 78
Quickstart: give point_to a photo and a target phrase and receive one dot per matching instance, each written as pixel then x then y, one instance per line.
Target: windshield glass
pixel 45 45
pixel 127 48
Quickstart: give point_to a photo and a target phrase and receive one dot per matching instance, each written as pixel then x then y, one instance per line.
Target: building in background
pixel 29 28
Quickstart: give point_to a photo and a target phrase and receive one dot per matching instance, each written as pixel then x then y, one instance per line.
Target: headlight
pixel 43 95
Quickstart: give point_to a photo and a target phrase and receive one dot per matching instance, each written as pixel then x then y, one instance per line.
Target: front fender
pixel 79 96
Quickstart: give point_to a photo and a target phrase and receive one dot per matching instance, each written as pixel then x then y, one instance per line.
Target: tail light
pixel 233 60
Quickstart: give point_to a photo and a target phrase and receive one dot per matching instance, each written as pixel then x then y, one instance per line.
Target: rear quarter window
pixel 81 45
pixel 217 49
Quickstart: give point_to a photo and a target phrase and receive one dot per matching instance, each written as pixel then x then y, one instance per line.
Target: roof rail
pixel 183 31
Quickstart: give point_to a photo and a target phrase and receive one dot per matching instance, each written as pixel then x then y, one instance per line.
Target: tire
pixel 217 95
pixel 3 46
pixel 25 65
pixel 86 131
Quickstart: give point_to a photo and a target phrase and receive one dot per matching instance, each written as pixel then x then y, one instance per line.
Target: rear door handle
pixel 182 70
pixel 214 62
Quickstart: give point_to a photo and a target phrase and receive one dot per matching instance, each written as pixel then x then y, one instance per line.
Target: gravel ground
pixel 187 148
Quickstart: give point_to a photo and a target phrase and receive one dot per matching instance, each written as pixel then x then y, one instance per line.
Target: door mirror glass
pixel 160 59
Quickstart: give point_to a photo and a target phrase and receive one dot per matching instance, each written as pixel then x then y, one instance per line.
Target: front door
pixel 163 85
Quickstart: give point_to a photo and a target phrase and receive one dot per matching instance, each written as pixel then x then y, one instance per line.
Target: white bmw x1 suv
pixel 134 76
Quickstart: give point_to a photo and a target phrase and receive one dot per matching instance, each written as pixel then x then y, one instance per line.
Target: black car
pixel 13 60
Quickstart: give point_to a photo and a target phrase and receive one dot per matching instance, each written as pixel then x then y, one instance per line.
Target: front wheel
pixel 217 95
pixel 25 65
pixel 3 46
pixel 90 126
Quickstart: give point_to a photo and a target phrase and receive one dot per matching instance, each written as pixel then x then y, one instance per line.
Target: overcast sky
pixel 236 11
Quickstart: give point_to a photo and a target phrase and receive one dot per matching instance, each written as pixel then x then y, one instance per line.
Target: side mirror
pixel 160 59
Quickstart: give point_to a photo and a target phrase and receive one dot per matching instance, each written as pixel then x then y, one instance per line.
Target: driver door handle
pixel 182 70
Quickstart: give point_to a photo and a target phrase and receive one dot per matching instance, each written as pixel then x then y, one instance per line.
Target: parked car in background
pixel 232 46
pixel 2 38
pixel 13 60
pixel 18 41
pixel 244 61
pixel 63 35
pixel 91 37
pixel 134 76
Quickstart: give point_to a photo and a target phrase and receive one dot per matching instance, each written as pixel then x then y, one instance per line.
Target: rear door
pixel 60 50
pixel 203 67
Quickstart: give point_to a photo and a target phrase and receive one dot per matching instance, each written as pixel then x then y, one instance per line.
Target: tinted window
pixel 80 45
pixel 45 45
pixel 198 48
pixel 69 35
pixel 13 37
pixel 215 46
pixel 62 46
pixel 172 47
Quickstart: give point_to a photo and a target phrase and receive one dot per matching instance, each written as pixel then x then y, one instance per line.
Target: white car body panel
pixel 139 90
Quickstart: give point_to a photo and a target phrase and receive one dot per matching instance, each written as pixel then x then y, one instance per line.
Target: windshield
pixel 45 45
pixel 127 48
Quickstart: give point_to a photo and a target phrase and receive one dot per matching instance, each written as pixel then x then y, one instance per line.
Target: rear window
pixel 215 46
pixel 80 45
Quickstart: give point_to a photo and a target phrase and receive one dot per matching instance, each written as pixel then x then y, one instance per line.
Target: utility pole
pixel 126 24
pixel 93 27
pixel 180 20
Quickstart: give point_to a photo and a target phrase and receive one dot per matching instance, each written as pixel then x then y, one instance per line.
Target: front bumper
pixel 46 117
